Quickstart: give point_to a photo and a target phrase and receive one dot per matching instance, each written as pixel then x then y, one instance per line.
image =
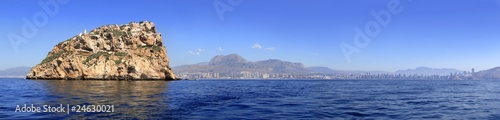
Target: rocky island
pixel 132 51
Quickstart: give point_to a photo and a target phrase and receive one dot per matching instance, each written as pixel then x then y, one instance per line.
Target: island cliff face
pixel 132 51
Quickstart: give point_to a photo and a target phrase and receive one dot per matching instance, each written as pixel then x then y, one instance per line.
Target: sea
pixel 251 99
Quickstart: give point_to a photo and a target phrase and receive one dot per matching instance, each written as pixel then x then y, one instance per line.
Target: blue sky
pixel 435 33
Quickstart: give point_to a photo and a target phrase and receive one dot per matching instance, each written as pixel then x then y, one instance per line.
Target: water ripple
pixel 277 99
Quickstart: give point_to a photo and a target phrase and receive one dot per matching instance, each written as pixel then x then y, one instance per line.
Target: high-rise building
pixel 472 73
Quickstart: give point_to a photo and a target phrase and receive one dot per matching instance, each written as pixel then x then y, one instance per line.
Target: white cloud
pixel 271 49
pixel 220 49
pixel 257 46
pixel 193 53
pixel 196 52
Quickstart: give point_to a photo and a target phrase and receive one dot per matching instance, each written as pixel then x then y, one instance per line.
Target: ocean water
pixel 256 99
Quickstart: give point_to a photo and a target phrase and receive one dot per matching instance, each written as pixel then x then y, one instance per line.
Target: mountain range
pixel 17 72
pixel 428 71
pixel 234 64
pixel 493 73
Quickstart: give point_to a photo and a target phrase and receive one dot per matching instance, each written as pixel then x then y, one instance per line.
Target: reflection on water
pixel 131 99
pixel 274 99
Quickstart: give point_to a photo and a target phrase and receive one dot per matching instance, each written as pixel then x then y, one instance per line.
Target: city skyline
pixel 437 34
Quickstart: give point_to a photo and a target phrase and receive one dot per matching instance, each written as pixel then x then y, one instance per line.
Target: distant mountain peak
pixel 15 72
pixel 227 59
pixel 233 64
pixel 493 73
pixel 495 68
pixel 17 68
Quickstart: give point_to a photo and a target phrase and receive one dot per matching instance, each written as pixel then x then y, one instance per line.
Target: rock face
pixel 132 51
